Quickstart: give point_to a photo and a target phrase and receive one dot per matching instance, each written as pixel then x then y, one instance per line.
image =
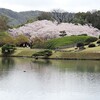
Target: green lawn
pixel 75 55
pixel 68 40
pixel 72 53
pixel 92 50
pixel 25 52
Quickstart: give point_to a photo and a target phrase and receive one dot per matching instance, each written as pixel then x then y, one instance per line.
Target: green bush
pixel 8 49
pixel 99 36
pixel 83 35
pixel 45 53
pixel 98 42
pixel 91 39
pixel 80 44
pixel 63 33
pixel 91 45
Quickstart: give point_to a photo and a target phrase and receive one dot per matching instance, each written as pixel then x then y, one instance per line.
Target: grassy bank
pixel 71 53
pixel 76 56
pixel 89 53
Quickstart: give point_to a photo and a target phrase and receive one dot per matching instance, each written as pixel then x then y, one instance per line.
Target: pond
pixel 29 79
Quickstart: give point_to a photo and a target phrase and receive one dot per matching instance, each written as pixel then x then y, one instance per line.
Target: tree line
pixel 89 18
pixel 3 23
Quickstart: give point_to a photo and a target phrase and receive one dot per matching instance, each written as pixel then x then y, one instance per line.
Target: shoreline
pixel 52 58
pixel 58 55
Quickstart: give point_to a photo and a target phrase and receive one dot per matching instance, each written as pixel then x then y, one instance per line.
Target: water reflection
pixel 41 66
pixel 6 64
pixel 42 62
pixel 68 65
pixel 49 79
pixel 79 66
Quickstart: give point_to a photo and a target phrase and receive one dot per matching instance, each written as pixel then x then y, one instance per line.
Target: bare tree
pixel 61 16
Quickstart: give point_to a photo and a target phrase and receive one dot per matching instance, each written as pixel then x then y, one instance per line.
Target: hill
pixel 18 18
pixel 68 41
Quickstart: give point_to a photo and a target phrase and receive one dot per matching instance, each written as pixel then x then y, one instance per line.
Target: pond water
pixel 27 79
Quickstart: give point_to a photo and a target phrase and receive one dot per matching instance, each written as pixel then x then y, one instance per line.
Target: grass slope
pixel 64 41
pixel 25 52
pixel 88 53
pixel 92 50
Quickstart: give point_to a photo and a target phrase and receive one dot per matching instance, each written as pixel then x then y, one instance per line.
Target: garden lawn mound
pixel 64 41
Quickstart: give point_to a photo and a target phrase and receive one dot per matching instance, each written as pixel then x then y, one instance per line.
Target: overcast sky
pixel 48 5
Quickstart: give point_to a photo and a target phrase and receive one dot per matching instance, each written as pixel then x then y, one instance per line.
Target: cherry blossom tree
pixel 48 30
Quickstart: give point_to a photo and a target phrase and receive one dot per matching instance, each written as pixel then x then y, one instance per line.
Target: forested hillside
pixel 18 18
pixel 60 16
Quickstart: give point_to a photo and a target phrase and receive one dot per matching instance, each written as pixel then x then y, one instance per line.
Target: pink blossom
pixel 49 29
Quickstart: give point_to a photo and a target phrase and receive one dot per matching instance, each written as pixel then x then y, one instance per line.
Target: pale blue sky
pixel 48 5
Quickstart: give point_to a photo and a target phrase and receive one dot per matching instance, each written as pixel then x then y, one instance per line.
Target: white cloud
pixel 15 7
pixel 47 5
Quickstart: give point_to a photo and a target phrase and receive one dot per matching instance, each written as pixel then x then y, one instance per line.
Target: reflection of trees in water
pixel 42 62
pixel 88 66
pixel 6 64
pixel 40 66
pixel 78 65
pixel 68 65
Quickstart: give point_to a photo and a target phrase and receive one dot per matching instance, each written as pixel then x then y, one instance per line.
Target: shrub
pixel 8 49
pixel 98 42
pixel 99 36
pixel 45 53
pixel 8 40
pixel 63 33
pixel 86 43
pixel 37 42
pixel 83 35
pixel 91 39
pixel 91 45
pixel 80 44
pixel 20 39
